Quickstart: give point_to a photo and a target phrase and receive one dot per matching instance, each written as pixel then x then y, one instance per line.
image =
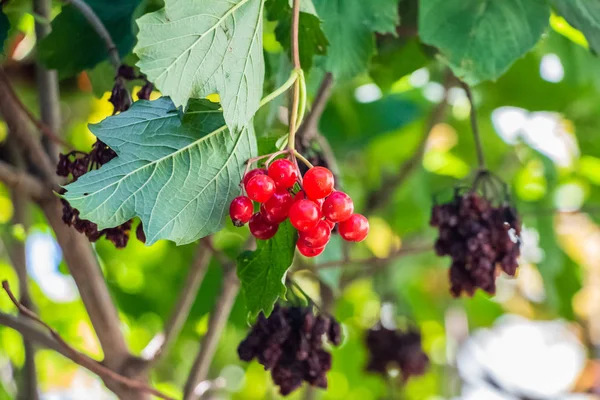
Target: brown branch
pixel 375 262
pixel 47 84
pixel 22 181
pixel 80 358
pixel 52 116
pixel 295 48
pixel 381 198
pixel 28 330
pixel 216 324
pixel 184 303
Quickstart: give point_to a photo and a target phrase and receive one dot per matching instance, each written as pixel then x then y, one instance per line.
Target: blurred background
pixel 537 338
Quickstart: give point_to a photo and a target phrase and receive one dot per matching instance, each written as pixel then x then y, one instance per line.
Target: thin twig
pixel 218 319
pixel 184 303
pixel 29 330
pixel 475 128
pixel 380 198
pixel 295 49
pixel 80 358
pixel 19 180
pixel 373 262
pixel 100 29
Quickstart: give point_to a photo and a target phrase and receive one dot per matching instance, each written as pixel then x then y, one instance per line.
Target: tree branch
pixel 18 180
pixel 47 84
pixel 77 251
pixel 216 324
pixel 29 331
pixel 80 358
pixel 100 29
pixel 183 305
pixel 383 196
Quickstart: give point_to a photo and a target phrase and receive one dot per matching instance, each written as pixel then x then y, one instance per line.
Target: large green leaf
pixel 191 49
pixel 262 272
pixel 177 176
pixel 583 15
pixel 480 39
pixel 349 27
pixel 312 39
pixel 73 45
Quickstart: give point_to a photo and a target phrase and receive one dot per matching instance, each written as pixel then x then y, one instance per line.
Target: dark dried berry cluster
pixel 75 164
pixel 119 96
pixel 396 349
pixel 290 344
pixel 480 238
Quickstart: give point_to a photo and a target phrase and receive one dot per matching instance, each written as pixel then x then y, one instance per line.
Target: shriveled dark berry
pixel 289 343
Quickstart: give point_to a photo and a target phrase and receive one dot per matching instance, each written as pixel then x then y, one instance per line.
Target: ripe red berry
pixel 338 207
pixel 308 251
pixel 330 224
pixel 260 228
pixel 355 228
pixel 260 188
pixel 318 236
pixel 253 173
pixel 240 210
pixel 284 173
pixel 318 183
pixel 277 208
pixel 305 215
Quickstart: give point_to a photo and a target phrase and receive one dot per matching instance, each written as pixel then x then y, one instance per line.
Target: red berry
pixel 277 208
pixel 308 251
pixel 240 210
pixel 330 224
pixel 284 173
pixel 253 173
pixel 318 236
pixel 355 228
pixel 338 207
pixel 305 215
pixel 262 229
pixel 318 183
pixel 260 188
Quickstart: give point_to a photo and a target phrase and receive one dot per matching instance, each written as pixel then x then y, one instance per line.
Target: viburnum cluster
pixel 289 343
pixel 481 239
pixel 311 203
pixel 390 348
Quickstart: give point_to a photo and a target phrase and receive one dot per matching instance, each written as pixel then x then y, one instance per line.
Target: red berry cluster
pixel 314 209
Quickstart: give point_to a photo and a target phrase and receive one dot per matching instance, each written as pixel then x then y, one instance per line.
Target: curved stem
pixel 475 128
pixel 303 159
pixel 100 29
pixel 282 89
pixel 303 97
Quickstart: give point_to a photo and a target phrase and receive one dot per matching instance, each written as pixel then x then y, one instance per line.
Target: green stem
pixel 303 96
pixel 282 89
pixel 303 159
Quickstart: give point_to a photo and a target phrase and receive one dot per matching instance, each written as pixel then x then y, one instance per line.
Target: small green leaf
pixel 349 27
pixel 4 27
pixel 583 15
pixel 177 176
pixel 262 272
pixel 481 39
pixel 311 36
pixel 70 30
pixel 191 49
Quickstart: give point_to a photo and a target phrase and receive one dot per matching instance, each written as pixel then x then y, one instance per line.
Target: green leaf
pixel 349 27
pixel 73 45
pixel 262 272
pixel 191 49
pixel 583 15
pixel 177 176
pixel 311 36
pixel 4 27
pixel 396 59
pixel 481 39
